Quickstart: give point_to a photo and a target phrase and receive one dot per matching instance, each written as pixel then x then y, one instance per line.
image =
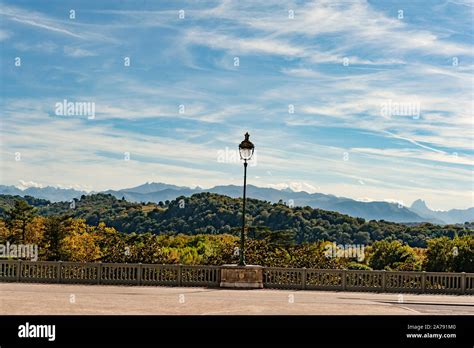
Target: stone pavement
pixel 24 298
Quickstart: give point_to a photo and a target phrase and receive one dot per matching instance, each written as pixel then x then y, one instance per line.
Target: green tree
pixel 438 254
pixel 463 254
pixel 18 219
pixel 393 255
pixel 54 232
pixel 450 255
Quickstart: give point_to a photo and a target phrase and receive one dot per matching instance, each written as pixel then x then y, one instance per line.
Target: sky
pixel 371 100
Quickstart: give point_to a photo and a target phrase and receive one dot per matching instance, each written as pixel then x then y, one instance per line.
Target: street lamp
pixel 246 149
pixel 242 276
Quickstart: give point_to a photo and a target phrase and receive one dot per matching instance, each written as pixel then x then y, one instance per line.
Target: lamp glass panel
pixel 246 153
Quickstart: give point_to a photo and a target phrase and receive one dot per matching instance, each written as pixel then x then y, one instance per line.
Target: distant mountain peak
pixel 419 204
pixel 150 187
pixel 373 210
pixel 152 183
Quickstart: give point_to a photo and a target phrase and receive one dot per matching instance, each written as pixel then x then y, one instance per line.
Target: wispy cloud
pixel 310 89
pixel 77 52
pixel 35 19
pixel 4 35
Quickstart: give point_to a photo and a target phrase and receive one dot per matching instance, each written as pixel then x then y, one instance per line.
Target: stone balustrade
pixel 210 276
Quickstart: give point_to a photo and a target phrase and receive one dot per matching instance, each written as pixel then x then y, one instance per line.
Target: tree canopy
pixel 207 213
pixel 204 230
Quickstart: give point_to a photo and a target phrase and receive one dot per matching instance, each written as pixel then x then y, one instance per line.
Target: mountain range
pixel 211 213
pixel 452 216
pixel 155 192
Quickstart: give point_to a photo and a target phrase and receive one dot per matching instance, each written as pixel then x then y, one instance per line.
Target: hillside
pixel 209 213
pixel 156 192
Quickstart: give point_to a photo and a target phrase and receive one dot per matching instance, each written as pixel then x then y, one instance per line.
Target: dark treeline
pixel 207 213
pixel 202 230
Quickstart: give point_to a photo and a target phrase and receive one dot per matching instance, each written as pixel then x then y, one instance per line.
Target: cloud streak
pixel 309 89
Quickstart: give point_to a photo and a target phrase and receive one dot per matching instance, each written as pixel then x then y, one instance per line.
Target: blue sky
pixel 319 87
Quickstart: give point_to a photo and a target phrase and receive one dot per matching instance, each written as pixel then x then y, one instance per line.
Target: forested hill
pixel 212 214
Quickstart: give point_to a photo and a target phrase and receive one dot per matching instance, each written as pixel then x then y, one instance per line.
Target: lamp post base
pixel 241 277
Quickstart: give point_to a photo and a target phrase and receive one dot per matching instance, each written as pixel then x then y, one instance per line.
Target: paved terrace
pixel 24 298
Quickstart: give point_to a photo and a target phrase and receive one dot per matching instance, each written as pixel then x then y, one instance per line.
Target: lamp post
pixel 246 149
pixel 242 276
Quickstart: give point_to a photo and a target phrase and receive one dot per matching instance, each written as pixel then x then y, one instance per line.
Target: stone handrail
pixel 381 281
pixel 209 276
